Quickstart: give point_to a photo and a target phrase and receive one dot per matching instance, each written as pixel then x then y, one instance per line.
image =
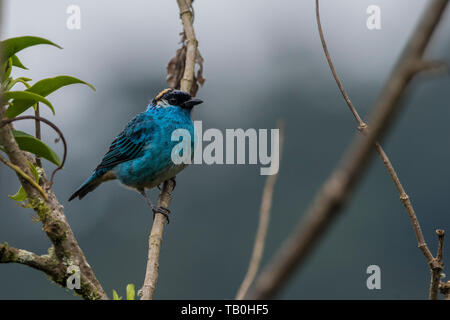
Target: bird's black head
pixel 176 98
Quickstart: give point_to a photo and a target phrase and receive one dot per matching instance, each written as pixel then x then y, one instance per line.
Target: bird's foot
pixel 164 211
pixel 159 186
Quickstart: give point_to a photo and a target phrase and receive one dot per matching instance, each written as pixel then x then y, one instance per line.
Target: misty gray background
pixel 263 61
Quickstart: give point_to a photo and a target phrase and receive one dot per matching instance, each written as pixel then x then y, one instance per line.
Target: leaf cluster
pixel 32 94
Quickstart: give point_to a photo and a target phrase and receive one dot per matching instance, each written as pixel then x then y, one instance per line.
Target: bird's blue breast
pixel 153 130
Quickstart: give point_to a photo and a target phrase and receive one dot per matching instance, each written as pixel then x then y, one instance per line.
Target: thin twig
pixel 339 186
pixel 155 238
pixel 25 176
pixel 264 217
pixel 37 127
pixel 440 252
pixel 404 198
pixel 436 271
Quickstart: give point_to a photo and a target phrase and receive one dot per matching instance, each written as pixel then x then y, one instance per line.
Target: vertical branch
pixel 155 238
pixel 339 186
pixel 264 217
pixel 186 16
pixel 436 271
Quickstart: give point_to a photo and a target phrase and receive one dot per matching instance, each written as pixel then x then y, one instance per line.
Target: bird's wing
pixel 128 145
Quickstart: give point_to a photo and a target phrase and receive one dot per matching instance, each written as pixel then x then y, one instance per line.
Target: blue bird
pixel 140 156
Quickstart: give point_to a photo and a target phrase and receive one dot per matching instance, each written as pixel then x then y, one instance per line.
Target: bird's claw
pixel 159 186
pixel 164 211
pixel 174 182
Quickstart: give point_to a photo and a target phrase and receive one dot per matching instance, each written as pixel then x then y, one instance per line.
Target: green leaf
pixel 22 100
pixel 43 88
pixel 17 63
pixel 13 45
pixel 116 296
pixel 46 86
pixel 20 196
pixel 29 143
pixel 130 291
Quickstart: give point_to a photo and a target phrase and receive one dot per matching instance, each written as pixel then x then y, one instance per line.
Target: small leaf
pixel 130 291
pixel 20 196
pixel 17 63
pixel 22 100
pixel 13 45
pixel 7 69
pixel 29 143
pixel 34 171
pixel 22 80
pixel 116 296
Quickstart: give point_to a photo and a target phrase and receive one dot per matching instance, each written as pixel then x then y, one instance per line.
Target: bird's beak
pixel 190 103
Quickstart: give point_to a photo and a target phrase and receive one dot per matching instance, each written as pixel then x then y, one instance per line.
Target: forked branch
pixel 337 189
pixel 65 251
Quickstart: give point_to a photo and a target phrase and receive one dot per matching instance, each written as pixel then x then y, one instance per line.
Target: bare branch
pixel 263 225
pixel 438 267
pixel 44 263
pixel 338 188
pixel 186 84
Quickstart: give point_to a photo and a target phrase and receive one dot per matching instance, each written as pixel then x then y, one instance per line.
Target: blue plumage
pixel 140 156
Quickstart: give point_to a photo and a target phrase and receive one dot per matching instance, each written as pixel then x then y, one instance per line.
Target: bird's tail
pixel 93 182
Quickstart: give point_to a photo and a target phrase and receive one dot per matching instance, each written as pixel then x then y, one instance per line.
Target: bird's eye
pixel 173 101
